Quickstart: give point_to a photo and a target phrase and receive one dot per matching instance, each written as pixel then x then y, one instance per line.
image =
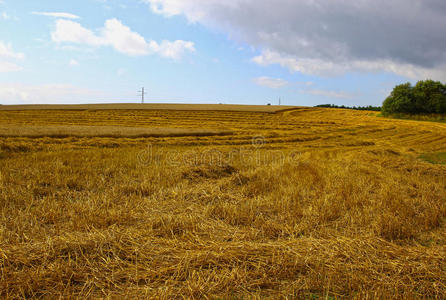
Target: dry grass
pixel 149 106
pixel 422 117
pixel 103 131
pixel 324 203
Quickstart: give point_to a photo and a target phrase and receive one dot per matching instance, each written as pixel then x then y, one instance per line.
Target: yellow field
pixel 149 106
pixel 232 204
pixel 62 131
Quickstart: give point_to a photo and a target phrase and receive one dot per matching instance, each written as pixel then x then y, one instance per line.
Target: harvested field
pixel 103 131
pixel 304 203
pixel 149 106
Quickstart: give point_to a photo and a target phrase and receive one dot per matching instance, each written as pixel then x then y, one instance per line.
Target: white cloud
pixel 328 68
pixel 123 39
pixel 317 36
pixel 174 50
pixel 57 15
pixel 304 83
pixel 6 17
pixel 273 83
pixel 306 66
pixel 328 93
pixel 276 83
pixel 50 93
pixel 6 51
pixel 69 31
pixel 120 37
pixel 195 10
pixel 6 67
pixel 74 48
pixel 73 63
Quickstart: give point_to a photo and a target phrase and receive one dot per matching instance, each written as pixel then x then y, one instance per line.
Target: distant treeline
pixel 372 108
pixel 426 97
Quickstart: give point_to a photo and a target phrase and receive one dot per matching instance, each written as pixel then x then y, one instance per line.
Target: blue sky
pixel 191 51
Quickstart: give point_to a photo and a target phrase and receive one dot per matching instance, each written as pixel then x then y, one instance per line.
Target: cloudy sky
pixel 307 52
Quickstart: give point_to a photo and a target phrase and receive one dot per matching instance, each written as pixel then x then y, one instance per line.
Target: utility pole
pixel 280 101
pixel 142 93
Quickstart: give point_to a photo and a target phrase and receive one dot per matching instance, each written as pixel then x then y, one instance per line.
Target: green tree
pixel 426 96
pixel 429 97
pixel 401 100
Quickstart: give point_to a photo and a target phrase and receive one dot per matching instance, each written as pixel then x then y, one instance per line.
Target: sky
pixel 305 52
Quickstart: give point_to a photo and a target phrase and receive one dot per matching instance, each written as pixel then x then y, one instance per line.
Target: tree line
pixel 426 97
pixel 369 107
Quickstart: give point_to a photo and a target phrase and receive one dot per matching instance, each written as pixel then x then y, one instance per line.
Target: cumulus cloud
pixel 330 37
pixel 120 37
pixel 272 83
pixel 123 39
pixel 56 15
pixel 69 31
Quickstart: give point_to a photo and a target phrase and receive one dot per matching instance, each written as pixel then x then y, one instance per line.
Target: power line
pixel 142 93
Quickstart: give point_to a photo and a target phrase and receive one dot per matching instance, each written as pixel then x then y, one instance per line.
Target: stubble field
pixel 233 204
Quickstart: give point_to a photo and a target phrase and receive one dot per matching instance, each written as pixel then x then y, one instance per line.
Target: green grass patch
pixel 434 158
pixel 422 117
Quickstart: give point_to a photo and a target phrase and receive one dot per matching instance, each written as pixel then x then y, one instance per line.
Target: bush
pixel 426 97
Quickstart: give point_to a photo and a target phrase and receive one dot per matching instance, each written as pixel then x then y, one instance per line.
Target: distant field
pixel 309 203
pixel 103 131
pixel 155 106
